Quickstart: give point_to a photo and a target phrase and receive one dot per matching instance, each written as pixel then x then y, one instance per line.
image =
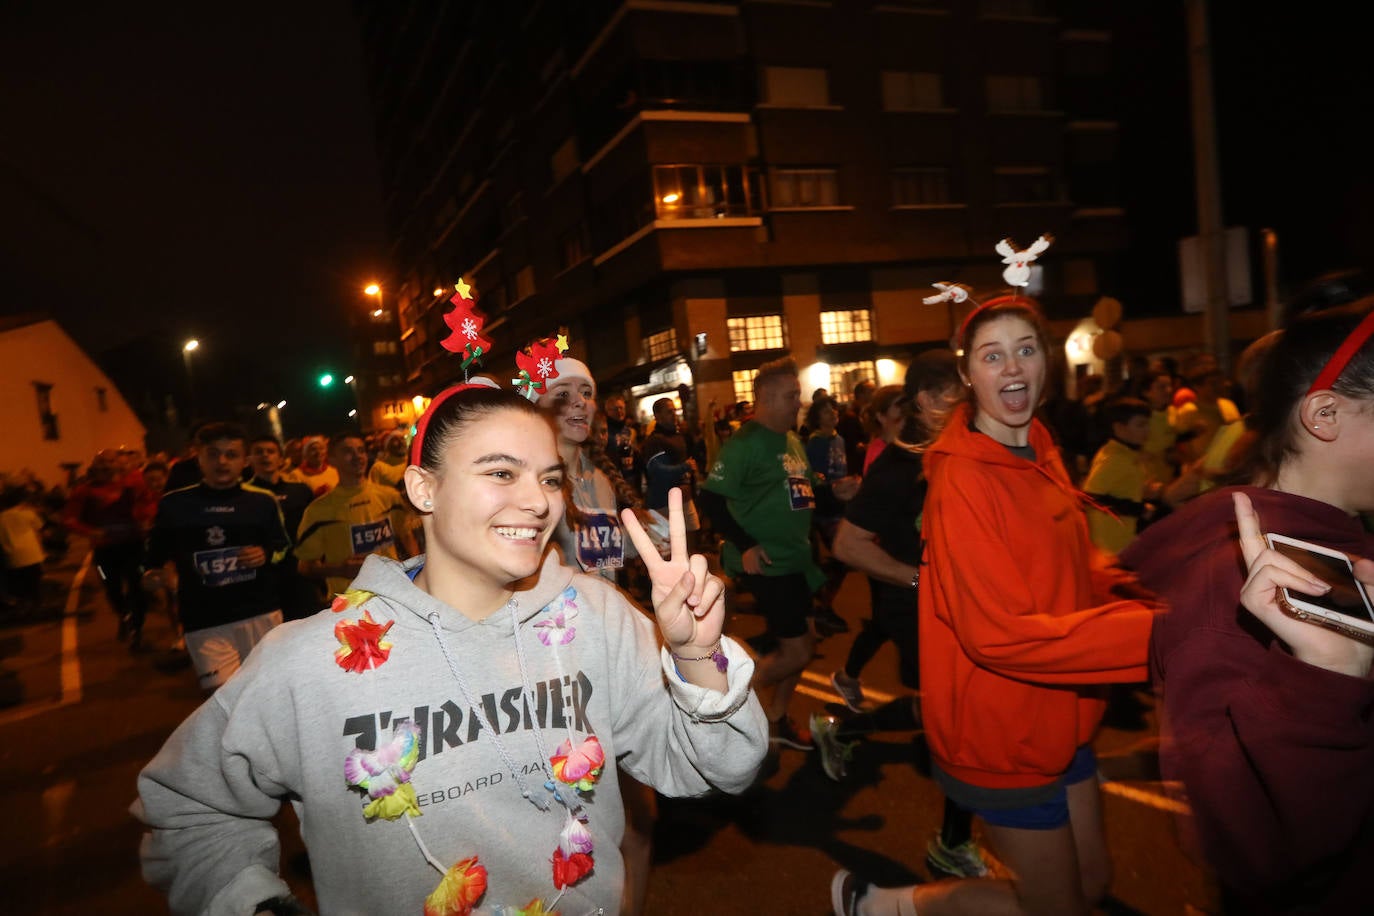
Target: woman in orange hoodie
pixel 1021 623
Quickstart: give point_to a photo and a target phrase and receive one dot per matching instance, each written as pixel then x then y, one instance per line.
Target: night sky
pixel 175 170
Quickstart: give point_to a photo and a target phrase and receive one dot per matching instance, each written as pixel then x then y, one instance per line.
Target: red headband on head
pixel 995 301
pixel 417 445
pixel 1344 354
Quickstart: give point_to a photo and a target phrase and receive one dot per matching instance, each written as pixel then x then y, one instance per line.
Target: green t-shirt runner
pixel 769 485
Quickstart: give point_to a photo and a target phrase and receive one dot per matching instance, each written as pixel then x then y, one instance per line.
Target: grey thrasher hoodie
pixel 282 727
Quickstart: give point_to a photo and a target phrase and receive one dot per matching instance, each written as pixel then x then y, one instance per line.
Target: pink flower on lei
pixel 579 767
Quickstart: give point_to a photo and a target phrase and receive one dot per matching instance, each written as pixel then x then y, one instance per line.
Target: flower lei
pixel 384 774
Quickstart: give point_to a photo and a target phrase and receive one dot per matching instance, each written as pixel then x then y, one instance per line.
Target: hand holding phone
pixel 1322 637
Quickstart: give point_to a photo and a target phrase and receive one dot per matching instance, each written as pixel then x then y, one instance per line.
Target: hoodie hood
pixel 398 598
pixel 959 438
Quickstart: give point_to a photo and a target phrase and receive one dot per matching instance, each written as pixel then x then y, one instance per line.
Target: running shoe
pixel 846 890
pixel 834 752
pixel 962 861
pixel 784 732
pixel 849 689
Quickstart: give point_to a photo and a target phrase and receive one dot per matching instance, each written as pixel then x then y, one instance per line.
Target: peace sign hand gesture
pixel 689 602
pixel 1269 571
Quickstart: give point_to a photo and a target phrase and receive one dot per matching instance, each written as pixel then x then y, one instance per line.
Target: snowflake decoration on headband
pixel 466 324
pixel 538 365
pixel 948 292
pixel 1018 262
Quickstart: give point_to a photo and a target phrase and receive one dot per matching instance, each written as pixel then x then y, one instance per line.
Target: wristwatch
pixel 916 579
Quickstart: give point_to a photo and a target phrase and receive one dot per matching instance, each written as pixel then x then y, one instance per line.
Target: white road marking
pixel 1146 797
pixel 826 694
pixel 71 659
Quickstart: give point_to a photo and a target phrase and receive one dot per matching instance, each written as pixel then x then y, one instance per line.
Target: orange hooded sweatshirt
pixel 1016 619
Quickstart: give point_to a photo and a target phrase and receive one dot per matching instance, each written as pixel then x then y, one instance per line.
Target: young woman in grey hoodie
pixel 448 732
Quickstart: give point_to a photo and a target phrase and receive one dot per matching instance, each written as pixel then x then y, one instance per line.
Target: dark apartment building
pixel 694 188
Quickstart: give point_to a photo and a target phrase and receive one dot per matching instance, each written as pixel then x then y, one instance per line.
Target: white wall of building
pixel 42 352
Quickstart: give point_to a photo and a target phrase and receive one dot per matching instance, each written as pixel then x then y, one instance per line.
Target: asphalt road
pixel 80 715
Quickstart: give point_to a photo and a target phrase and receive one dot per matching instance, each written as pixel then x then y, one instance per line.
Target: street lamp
pixel 187 349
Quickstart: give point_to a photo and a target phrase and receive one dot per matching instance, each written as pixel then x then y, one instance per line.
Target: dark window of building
pixel 701 84
pixel 707 191
pixel 804 188
pixel 383 347
pixel 101 403
pixel 511 213
pixel 919 187
pixel 905 90
pixel 520 285
pixel 46 418
pixel 799 87
pixel 848 326
pixel 622 213
pixel 1016 9
pixel 564 160
pixel 1015 93
pixel 757 332
pixel 574 246
pixel 1023 184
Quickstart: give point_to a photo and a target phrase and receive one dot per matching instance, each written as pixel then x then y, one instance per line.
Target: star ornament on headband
pixel 948 292
pixel 537 365
pixel 466 324
pixel 1018 263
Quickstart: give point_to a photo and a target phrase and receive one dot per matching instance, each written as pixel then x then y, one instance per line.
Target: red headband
pixel 995 301
pixel 1344 354
pixel 418 443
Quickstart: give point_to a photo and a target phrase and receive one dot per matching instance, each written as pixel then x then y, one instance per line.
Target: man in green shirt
pixel 760 496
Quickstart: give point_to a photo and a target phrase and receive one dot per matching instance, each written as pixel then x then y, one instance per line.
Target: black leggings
pixel 120 567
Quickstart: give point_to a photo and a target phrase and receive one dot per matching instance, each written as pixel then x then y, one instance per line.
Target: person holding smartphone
pixel 1269 722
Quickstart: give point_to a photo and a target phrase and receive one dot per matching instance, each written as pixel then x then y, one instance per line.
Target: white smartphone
pixel 1346 608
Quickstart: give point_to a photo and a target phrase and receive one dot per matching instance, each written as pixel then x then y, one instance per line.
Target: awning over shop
pixel 661 374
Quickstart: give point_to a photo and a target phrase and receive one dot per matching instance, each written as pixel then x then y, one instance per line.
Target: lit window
pixel 849 326
pixel 920 187
pixel 805 188
pixel 796 86
pixel 706 191
pixel 1015 93
pixel 744 384
pixel 908 91
pixel 661 345
pixel 757 332
pixel 844 376
pixel 1023 184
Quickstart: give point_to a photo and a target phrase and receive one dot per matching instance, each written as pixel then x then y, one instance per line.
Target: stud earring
pixel 1315 426
pixel 429 504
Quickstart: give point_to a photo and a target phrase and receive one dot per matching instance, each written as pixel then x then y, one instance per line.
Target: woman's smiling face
pixel 1006 371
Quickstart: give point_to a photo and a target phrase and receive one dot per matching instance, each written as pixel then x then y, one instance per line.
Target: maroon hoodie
pixel 1277 755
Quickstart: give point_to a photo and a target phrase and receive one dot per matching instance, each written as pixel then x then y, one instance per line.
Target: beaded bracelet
pixel 714 655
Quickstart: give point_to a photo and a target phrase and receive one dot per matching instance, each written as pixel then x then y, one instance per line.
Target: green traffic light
pixel 326 380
